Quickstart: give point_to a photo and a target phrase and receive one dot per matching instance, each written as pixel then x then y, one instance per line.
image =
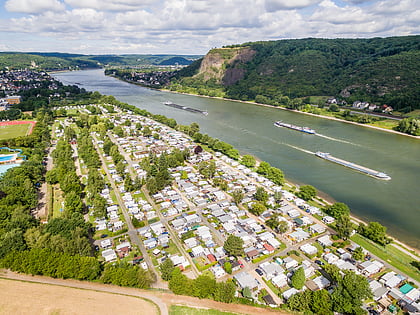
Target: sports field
pixel 13 129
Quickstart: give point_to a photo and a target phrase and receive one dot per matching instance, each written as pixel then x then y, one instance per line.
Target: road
pixel 132 231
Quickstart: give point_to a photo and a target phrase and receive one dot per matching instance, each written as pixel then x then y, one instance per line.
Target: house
pixel 309 249
pixel 317 229
pixel 106 243
pixel 325 240
pixel 331 258
pixel 299 235
pixel 244 280
pixel 290 263
pixel 270 269
pixel 280 280
pixel 369 268
pixel 328 220
pixel 197 251
pixel 191 242
pixel 321 282
pixel 378 290
pixel 109 255
pixel 268 299
pixel 287 294
pixel 218 271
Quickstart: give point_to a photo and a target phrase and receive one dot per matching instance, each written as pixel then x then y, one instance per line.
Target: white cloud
pixel 110 5
pixel 33 6
pixel 275 5
pixel 195 26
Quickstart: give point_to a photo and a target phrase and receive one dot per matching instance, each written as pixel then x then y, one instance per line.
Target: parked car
pixel 259 272
pixel 319 262
pixel 104 235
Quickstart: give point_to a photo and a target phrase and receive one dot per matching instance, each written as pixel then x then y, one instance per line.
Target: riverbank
pixel 291 110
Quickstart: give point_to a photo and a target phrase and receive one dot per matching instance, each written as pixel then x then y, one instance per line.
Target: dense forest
pixel 380 70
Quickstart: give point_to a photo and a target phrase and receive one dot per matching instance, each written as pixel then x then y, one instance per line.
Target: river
pixel 249 128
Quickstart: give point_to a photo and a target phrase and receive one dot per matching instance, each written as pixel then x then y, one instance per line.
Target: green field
pixel 184 310
pixel 391 255
pixel 13 131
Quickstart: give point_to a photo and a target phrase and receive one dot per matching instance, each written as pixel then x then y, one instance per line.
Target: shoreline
pixel 292 110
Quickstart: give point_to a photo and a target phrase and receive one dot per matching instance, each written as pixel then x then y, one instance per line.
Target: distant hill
pixel 381 70
pixel 44 61
pixel 62 61
pixel 176 61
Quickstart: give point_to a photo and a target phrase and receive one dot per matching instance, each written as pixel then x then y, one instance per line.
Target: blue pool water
pixel 4 158
pixel 5 167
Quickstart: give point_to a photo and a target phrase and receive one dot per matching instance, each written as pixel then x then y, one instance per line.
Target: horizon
pixel 192 27
pixel 186 54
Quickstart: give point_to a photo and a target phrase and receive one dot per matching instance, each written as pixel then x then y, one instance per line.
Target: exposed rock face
pixel 224 64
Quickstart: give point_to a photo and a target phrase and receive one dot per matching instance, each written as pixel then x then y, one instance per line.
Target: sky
pixel 192 26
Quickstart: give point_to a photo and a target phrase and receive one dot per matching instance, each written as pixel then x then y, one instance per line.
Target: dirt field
pixel 13 301
pixel 35 298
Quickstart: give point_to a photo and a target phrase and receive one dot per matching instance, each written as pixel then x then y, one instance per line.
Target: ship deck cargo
pixel 362 169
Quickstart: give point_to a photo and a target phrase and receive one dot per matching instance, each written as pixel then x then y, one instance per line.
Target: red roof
pixel 211 258
pixel 268 247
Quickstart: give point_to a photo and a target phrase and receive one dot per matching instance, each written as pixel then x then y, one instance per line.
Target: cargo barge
pixel 293 127
pixel 362 169
pixel 189 109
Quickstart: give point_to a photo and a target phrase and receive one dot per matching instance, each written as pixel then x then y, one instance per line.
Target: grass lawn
pixel 184 310
pixel 386 124
pixel 13 131
pixel 273 288
pixel 390 254
pixel 58 200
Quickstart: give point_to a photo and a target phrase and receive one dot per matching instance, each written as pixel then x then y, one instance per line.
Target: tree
pixel 166 268
pixel 358 254
pixel 334 108
pixel 350 293
pixel 321 302
pixel 73 203
pixel 257 208
pixel 333 271
pixel 301 301
pixel 248 160
pixel 307 192
pixel 282 227
pixel 375 232
pixel 337 210
pixel 344 227
pixel 228 267
pixel 204 287
pixel 273 222
pixel 263 168
pixel 298 279
pixel 237 196
pixel 278 195
pixel 225 292
pixel 234 245
pixel 261 194
pixel 179 283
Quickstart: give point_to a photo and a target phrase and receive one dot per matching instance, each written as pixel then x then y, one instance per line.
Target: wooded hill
pixel 379 70
pixel 63 61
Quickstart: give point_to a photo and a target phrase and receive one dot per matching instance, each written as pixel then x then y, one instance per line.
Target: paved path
pixel 132 231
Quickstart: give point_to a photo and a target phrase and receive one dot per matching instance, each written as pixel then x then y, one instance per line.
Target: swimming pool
pixel 5 167
pixel 4 158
